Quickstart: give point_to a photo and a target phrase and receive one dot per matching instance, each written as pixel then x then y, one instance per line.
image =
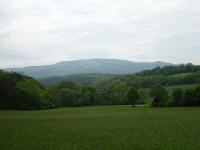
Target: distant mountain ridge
pixel 88 66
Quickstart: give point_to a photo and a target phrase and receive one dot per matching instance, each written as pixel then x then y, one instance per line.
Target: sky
pixel 38 32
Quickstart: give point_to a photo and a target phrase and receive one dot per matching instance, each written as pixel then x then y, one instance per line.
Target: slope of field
pixel 184 87
pixel 101 128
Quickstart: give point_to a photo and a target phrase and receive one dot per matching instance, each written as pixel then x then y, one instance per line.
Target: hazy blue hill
pixel 88 66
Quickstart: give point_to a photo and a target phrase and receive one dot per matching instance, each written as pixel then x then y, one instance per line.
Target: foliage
pixel 166 76
pixel 161 97
pixel 22 92
pixel 171 70
pixel 116 93
pixel 30 96
pixel 68 97
pixel 68 94
pixel 188 97
pixel 64 94
pixel 133 96
pixel 89 96
pixel 143 95
pixel 177 97
pixel 83 79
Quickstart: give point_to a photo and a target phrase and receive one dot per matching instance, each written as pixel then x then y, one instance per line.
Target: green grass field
pixel 184 87
pixel 101 128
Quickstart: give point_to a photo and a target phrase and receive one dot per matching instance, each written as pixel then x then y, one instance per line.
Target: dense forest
pixel 22 92
pixel 84 79
pixel 168 75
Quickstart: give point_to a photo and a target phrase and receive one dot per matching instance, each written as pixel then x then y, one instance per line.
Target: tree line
pixel 179 97
pixel 172 69
pixel 70 94
pixel 166 76
pixel 18 91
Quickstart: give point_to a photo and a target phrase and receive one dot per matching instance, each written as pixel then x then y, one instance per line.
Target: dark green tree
pixel 60 94
pixel 161 96
pixel 177 97
pixel 68 98
pixel 197 95
pixel 31 96
pixel 133 96
pixel 189 97
pixel 18 91
pixel 89 96
pixel 143 94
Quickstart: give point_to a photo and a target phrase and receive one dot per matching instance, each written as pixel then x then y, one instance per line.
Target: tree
pixel 197 95
pixel 7 88
pixel 189 97
pixel 177 97
pixel 68 98
pixel 143 95
pixel 116 93
pixel 161 96
pixel 89 96
pixel 64 94
pixel 18 91
pixel 29 95
pixel 133 96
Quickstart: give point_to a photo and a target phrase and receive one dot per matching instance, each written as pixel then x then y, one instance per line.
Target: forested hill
pixel 88 66
pixel 83 79
pixel 171 70
pixel 168 75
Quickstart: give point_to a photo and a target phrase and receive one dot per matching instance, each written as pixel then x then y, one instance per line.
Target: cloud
pixel 37 32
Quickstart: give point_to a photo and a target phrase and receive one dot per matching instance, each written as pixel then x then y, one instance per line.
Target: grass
pixel 184 87
pixel 101 128
pixel 181 74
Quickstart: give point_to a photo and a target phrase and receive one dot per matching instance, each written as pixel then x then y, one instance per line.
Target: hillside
pixel 165 76
pixel 77 78
pixel 88 66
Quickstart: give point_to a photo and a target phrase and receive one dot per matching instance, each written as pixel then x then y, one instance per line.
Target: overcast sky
pixel 38 32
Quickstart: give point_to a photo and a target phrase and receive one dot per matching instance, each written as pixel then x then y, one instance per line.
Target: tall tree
pixel 161 96
pixel 177 97
pixel 133 96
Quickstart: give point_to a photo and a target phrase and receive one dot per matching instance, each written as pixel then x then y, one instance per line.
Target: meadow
pixel 101 128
